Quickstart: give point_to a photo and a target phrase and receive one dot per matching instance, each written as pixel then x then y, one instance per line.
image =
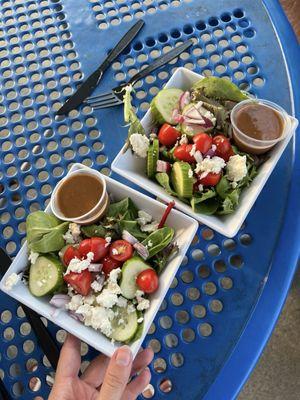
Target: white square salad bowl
pixel 185 229
pixel 134 169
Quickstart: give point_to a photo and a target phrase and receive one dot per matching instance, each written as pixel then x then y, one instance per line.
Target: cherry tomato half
pixel 96 245
pixel 109 264
pixel 81 282
pixel 147 280
pixel 203 142
pixel 120 250
pixel 182 153
pixel 210 179
pixel 168 135
pixel 70 253
pixel 224 148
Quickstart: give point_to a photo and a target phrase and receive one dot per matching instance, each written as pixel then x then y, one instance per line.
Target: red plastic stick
pixel 166 213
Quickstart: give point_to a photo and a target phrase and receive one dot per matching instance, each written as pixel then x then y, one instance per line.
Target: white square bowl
pixel 185 229
pixel 134 169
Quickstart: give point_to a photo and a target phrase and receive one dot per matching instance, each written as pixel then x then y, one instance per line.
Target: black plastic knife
pixel 43 336
pixel 93 80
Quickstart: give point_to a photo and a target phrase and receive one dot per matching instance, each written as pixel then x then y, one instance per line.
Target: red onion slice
pixel 76 316
pixel 95 267
pixel 59 300
pixel 198 121
pixel 142 250
pixel 163 166
pixel 176 117
pixel 129 237
pixel 184 100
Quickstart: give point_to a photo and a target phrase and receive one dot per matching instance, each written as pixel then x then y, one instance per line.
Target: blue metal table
pixel 228 293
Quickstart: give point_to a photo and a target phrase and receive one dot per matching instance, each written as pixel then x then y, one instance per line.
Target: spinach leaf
pixel 124 208
pixel 158 240
pixel 133 228
pixel 223 187
pixel 205 195
pixel 164 180
pixel 94 231
pixel 130 116
pixel 207 207
pixel 45 232
pixel 51 241
pixel 160 260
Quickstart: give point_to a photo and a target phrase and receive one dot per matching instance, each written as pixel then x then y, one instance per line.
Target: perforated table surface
pixel 228 293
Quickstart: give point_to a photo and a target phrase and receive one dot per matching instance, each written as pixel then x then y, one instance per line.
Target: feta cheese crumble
pixel 12 280
pixel 236 168
pixel 214 165
pixel 143 217
pixel 140 320
pixel 97 286
pixel 183 140
pixel 150 227
pixel 77 265
pixel 72 235
pixel 198 156
pixel 193 150
pixel 139 144
pixel 33 257
pixel 190 173
pixel 143 304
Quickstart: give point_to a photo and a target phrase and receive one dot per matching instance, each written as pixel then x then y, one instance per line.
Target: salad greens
pixel 203 174
pixel 130 116
pixel 158 240
pixel 45 232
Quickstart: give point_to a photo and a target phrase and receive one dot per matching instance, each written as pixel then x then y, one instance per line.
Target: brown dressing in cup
pixel 259 122
pixel 78 195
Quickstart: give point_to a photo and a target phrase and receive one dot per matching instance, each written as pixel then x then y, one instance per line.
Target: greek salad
pixel 190 151
pixel 101 273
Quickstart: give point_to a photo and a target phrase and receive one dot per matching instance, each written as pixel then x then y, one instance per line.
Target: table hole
pixel 46 362
pixel 155 345
pixel 237 261
pixel 238 13
pixel 166 385
pixel 148 392
pixel 61 335
pixel 159 365
pixel 165 322
pixel 209 288
pixel 152 329
pixel 249 33
pixel 187 276
pixel 207 234
pixel 188 335
pixel 35 384
pixel 84 366
pixel 12 351
pixel 174 283
pixel 177 359
pixel 31 365
pixel 205 329
pixel 50 378
pixel 163 305
pixel 258 81
pixel 28 346
pixel 8 333
pixel 213 250
pixel 229 244
pixel 226 283
pixel 220 266
pixel 177 299
pixel 204 271
pixel 15 370
pixel 182 316
pixel 18 389
pixel 193 294
pixel 171 340
pixel 246 239
pixel 215 306
pixel 25 328
pixel 20 312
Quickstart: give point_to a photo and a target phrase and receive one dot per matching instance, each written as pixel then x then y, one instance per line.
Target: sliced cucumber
pixel 152 158
pixel 192 129
pixel 163 105
pixel 182 179
pixel 130 271
pixel 45 276
pixel 126 330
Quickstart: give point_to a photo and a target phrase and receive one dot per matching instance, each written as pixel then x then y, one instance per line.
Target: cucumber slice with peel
pixel 152 158
pixel 124 325
pixel 163 105
pixel 45 276
pixel 182 179
pixel 130 270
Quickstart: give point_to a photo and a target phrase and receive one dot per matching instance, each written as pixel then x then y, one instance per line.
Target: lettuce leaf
pixel 130 116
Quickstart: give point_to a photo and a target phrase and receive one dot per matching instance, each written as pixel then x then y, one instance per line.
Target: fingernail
pixel 124 356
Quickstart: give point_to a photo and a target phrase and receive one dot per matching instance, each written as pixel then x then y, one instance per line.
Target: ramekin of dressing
pixel 258 125
pixel 80 197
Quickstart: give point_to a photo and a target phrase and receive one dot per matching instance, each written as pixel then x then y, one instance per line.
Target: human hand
pixel 104 378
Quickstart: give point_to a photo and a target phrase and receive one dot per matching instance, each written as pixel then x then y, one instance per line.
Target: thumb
pixel 117 375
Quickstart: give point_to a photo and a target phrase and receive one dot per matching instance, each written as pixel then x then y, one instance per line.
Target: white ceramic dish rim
pixel 94 338
pixel 126 165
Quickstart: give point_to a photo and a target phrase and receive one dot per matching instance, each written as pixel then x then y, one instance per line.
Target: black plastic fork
pixel 115 96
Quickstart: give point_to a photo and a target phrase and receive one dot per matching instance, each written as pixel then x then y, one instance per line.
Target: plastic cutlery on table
pixel 93 80
pixel 44 338
pixel 115 96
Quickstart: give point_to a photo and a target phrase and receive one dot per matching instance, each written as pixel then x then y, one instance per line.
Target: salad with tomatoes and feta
pixel 190 151
pixel 101 273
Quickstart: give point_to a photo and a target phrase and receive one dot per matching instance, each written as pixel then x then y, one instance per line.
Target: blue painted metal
pixel 52 43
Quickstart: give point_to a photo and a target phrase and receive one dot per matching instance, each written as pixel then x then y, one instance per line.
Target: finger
pixel 117 374
pixel 94 374
pixel 137 385
pixel 69 359
pixel 142 360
